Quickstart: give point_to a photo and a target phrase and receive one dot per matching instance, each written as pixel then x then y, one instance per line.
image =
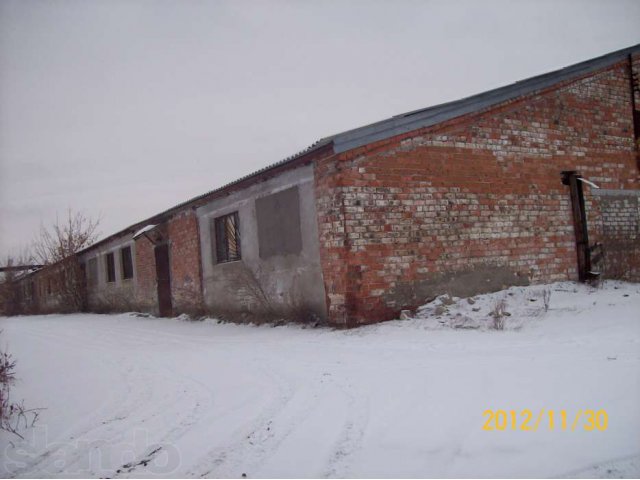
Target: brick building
pixel 466 197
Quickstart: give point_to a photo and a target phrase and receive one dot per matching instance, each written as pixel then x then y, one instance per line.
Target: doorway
pixel 163 276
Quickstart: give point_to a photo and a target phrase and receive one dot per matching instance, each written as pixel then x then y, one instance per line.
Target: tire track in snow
pixel 116 428
pixel 76 434
pixel 263 437
pixel 73 448
pixel 352 434
pixel 254 439
pixel 255 443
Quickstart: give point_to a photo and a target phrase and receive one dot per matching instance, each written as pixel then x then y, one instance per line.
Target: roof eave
pixel 431 116
pixel 306 155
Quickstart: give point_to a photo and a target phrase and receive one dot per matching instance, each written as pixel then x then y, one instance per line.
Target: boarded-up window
pixel 111 268
pixel 279 223
pixel 92 272
pixel 127 263
pixel 227 234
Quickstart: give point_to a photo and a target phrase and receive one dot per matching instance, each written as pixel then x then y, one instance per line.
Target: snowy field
pixel 129 396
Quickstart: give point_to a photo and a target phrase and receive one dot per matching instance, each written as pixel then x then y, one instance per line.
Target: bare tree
pixel 57 246
pixel 65 238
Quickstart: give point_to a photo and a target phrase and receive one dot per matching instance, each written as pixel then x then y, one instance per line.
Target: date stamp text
pixel 546 419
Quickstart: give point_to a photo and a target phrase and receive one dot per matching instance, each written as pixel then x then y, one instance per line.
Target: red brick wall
pixel 331 232
pixel 145 275
pixel 182 233
pixel 186 276
pixel 636 73
pixel 470 205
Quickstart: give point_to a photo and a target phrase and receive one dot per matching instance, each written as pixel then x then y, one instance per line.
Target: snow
pixel 131 396
pixel 591 184
pixel 143 230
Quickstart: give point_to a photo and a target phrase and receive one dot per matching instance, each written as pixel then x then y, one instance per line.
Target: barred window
pixel 227 232
pixel 126 262
pixel 111 268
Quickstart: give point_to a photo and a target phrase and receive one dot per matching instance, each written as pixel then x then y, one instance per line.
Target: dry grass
pixel 13 415
pixel 498 314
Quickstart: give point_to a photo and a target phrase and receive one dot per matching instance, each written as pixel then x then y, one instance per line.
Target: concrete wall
pixel 112 296
pixel 140 293
pixel 281 284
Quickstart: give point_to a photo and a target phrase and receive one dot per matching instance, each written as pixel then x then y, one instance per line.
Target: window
pixel 278 218
pixel 127 264
pixel 227 234
pixel 92 272
pixel 111 268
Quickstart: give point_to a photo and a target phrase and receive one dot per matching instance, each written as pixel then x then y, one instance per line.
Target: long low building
pixel 533 182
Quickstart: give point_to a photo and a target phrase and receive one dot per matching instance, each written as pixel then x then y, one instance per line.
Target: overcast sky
pixel 125 108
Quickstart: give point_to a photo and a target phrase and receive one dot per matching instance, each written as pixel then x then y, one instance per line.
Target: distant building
pixel 464 197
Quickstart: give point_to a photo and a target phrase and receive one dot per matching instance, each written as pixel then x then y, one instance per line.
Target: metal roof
pixel 409 121
pixel 427 117
pixel 309 149
pixel 158 218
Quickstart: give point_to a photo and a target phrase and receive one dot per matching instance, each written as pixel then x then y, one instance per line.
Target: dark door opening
pixel 572 179
pixel 163 276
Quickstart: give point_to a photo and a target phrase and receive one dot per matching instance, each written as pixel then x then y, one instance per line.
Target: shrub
pixel 13 415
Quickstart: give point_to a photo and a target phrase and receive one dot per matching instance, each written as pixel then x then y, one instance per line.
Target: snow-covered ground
pixel 129 396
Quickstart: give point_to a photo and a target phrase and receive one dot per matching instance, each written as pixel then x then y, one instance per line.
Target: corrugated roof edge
pixel 193 201
pixel 427 117
pixel 409 121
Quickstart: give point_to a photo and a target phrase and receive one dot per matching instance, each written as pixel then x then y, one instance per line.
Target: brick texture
pixel 615 223
pixel 146 292
pixel 181 232
pixel 478 198
pixel 186 275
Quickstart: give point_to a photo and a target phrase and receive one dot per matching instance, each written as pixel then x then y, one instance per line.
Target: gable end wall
pixel 472 205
